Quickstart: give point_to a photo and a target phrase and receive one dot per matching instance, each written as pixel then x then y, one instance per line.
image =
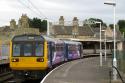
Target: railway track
pixel 5 76
pixel 5 72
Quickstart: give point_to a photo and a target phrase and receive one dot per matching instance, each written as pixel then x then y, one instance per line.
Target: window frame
pixel 34 49
pixel 13 50
pixel 33 43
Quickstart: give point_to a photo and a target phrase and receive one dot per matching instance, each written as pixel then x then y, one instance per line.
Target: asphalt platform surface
pixel 86 70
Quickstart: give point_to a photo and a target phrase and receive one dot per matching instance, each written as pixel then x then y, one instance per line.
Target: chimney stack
pixel 75 21
pixel 61 20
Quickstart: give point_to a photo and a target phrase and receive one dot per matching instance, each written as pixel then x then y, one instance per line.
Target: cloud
pixel 12 9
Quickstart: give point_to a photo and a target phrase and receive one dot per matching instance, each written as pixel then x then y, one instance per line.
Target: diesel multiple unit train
pixel 32 54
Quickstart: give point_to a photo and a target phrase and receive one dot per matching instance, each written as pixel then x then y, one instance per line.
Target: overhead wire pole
pixel 100 44
pixel 114 59
pixel 105 47
pixel 100 25
pixel 114 35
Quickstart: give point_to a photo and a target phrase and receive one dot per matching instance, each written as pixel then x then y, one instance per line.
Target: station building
pixel 90 36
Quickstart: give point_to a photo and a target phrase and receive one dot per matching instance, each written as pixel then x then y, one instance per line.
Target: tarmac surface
pixel 86 70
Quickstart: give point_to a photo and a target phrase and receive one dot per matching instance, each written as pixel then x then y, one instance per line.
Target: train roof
pixel 34 37
pixel 28 37
pixel 51 39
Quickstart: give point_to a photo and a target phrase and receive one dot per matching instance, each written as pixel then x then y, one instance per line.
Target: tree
pixel 121 24
pixel 37 23
pixel 93 20
pixel 43 26
pixel 111 26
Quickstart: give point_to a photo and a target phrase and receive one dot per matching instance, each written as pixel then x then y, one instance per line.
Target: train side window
pixel 59 47
pixel 16 49
pixel 39 49
pixel 70 48
pixel 27 49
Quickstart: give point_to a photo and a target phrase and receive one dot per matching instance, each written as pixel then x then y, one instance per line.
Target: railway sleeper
pixel 5 76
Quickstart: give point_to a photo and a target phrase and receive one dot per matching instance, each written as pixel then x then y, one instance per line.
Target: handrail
pixel 118 74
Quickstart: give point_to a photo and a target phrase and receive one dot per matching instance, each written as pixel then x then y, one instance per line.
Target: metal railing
pixel 110 74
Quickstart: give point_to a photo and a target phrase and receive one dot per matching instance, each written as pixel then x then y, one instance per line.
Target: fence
pixel 121 60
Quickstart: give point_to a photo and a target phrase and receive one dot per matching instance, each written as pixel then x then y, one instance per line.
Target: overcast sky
pixel 53 9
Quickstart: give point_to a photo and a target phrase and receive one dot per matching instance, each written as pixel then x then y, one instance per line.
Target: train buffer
pixel 86 70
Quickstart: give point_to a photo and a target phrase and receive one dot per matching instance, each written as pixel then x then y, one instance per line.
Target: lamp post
pixel 105 45
pixel 114 57
pixel 100 25
pixel 100 42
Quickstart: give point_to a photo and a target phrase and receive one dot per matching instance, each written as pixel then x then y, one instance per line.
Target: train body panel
pixel 72 49
pixel 28 55
pixel 55 51
pixel 58 55
pixel 29 63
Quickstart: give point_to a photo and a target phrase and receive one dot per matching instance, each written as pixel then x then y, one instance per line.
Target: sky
pixel 53 9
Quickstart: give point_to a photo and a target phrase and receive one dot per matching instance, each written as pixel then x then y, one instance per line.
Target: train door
pixel 70 51
pixel 66 52
pixel 80 51
pixel 50 54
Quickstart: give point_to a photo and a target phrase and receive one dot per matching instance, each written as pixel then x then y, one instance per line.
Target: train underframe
pixel 29 74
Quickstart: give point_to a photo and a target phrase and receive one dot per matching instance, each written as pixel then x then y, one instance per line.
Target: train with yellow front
pixel 31 54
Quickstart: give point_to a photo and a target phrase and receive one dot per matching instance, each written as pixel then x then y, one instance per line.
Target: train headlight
pixel 40 60
pixel 15 60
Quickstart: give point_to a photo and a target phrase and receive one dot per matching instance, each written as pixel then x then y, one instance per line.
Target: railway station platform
pixel 86 70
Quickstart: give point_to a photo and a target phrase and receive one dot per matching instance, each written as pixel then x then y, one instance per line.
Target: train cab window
pixel 27 49
pixel 16 49
pixel 39 49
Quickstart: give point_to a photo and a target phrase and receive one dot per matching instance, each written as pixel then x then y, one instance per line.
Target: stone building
pixel 7 32
pixel 61 20
pixel 89 36
pixel 12 24
pixel 23 22
pixel 75 26
pixel 71 30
